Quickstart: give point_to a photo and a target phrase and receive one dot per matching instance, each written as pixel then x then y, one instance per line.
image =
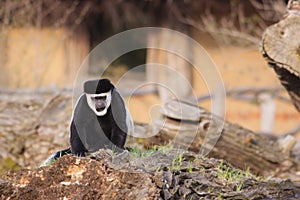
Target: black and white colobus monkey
pixel 100 119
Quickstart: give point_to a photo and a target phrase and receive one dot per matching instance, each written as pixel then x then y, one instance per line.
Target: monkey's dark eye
pixel 100 98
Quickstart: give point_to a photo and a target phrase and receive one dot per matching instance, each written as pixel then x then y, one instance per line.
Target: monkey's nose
pixel 100 107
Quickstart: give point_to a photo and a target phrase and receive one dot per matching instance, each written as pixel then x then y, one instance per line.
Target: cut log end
pixel 281 44
pixel 281 48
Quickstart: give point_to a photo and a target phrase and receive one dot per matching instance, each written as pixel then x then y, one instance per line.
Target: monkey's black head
pixel 97 86
pixel 98 95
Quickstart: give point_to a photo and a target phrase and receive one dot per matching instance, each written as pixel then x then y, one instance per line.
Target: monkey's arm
pixel 119 137
pixel 118 112
pixel 77 147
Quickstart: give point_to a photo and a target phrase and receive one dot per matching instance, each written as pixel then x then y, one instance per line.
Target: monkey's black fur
pixel 97 86
pixel 90 132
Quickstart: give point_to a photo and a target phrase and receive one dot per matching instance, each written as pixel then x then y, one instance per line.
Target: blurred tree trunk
pixel 171 70
pixel 77 48
pixel 4 78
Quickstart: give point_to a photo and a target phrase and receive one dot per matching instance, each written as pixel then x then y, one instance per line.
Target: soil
pixel 165 173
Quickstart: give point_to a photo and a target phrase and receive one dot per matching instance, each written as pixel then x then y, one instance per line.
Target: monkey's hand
pixel 79 154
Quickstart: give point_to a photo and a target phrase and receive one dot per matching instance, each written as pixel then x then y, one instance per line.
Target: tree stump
pixel 281 48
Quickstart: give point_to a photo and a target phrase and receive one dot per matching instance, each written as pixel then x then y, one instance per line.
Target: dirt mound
pixel 78 178
pixel 157 174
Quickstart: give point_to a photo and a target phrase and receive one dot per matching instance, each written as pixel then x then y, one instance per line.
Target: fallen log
pixel 205 133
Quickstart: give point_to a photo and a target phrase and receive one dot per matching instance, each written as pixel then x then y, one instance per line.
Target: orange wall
pixel 37 58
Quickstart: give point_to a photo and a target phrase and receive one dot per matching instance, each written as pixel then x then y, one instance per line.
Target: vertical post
pixel 267 112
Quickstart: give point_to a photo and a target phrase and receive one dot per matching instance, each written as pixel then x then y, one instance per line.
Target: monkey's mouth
pixel 99 109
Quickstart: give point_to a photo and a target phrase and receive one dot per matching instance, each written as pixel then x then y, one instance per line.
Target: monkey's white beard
pixel 91 103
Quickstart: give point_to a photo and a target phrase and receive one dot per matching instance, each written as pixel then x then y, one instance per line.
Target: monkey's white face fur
pixel 106 100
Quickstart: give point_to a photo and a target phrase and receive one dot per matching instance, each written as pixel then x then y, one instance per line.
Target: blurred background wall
pixel 43 43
